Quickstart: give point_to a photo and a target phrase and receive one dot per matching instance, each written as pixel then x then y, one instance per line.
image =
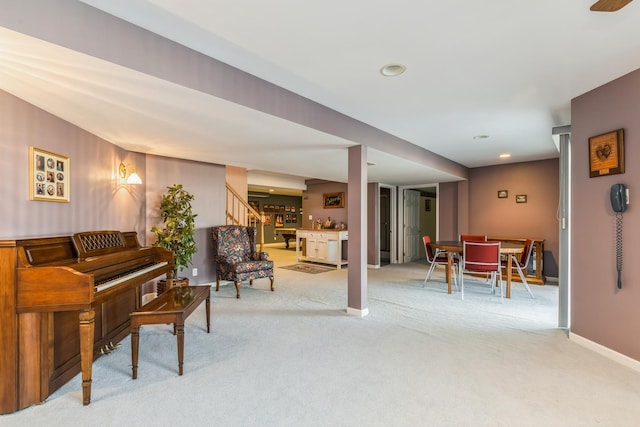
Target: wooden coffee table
pixel 173 306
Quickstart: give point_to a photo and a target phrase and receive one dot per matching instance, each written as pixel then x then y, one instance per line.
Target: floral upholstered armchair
pixel 236 258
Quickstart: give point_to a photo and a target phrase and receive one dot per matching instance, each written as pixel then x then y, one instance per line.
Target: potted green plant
pixel 179 228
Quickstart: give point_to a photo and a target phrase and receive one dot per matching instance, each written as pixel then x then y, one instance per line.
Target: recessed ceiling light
pixel 505 155
pixel 481 137
pixel 392 70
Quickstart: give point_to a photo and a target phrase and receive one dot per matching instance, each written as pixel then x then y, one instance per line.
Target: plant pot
pixel 161 286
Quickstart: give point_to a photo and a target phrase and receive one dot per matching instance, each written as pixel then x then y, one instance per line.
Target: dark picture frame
pixel 333 200
pixel 503 194
pixel 49 176
pixel 606 154
pixel 279 220
pixel 521 198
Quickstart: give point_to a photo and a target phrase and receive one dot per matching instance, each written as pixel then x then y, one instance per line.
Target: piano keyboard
pixel 116 281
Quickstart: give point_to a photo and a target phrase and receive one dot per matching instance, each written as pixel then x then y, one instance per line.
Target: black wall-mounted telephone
pixel 618 197
pixel 619 204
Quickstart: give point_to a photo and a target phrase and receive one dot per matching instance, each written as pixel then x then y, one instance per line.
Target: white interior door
pixel 412 238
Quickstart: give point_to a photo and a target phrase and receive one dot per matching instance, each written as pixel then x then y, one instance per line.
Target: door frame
pixel 393 221
pixel 399 226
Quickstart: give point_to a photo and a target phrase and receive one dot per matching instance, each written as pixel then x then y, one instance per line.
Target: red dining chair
pixel 440 257
pixel 522 263
pixel 482 257
pixel 473 237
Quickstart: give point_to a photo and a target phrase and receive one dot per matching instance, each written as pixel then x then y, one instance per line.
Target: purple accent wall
pixel 312 202
pixel 600 311
pixel 312 205
pixel 207 184
pixel 492 216
pixel 448 211
pixel 97 201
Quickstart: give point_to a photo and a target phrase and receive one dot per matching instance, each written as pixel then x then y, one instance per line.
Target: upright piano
pixel 62 300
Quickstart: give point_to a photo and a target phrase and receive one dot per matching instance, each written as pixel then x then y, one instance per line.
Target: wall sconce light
pixel 129 175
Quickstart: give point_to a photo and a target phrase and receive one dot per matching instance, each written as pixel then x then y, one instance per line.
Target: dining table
pixel 454 247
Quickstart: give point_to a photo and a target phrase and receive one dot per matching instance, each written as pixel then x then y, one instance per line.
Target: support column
pixel 357 222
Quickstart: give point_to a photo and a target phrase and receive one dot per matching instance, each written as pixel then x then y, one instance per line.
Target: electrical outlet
pixel 194 272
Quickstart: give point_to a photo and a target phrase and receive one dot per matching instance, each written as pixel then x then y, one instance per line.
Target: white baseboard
pixel 373 266
pixel 357 312
pixel 606 352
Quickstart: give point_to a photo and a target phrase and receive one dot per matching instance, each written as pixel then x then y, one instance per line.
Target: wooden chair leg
pixel 271 278
pixel 217 284
pixel 237 289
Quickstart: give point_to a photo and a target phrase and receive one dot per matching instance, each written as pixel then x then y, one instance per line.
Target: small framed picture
pixel 521 198
pixel 503 194
pixel 333 200
pixel 606 154
pixel 279 219
pixel 48 176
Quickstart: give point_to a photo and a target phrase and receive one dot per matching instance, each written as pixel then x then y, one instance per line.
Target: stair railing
pixel 240 212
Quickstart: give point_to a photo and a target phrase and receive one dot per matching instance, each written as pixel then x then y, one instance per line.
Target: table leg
pixel 135 334
pixel 180 334
pixel 539 255
pixel 208 310
pixel 449 270
pixel 509 270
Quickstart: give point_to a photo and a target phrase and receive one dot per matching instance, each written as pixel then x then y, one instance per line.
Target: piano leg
pixel 87 325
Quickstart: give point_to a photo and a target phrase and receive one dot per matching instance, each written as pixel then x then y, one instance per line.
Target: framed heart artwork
pixel 606 153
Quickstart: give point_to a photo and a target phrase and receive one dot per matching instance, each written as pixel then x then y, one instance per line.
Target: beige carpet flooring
pixel 293 357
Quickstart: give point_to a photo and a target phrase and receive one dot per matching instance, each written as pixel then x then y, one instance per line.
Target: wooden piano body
pixel 63 299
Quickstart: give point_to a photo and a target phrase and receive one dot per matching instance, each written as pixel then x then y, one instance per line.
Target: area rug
pixel 308 268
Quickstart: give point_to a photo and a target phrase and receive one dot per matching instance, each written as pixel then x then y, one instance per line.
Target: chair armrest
pixel 260 256
pixel 221 259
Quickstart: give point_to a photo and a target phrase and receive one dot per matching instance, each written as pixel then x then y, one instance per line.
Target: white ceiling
pixel 503 68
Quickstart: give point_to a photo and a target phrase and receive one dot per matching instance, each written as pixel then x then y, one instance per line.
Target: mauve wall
pixel 448 211
pixel 600 311
pixel 97 202
pixel 207 184
pixel 312 205
pixel 312 202
pixel 488 214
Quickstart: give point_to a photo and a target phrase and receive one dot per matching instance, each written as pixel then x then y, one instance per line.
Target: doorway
pixel 385 226
pixel 419 217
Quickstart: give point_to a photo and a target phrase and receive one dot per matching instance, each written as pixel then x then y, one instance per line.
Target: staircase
pixel 239 212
